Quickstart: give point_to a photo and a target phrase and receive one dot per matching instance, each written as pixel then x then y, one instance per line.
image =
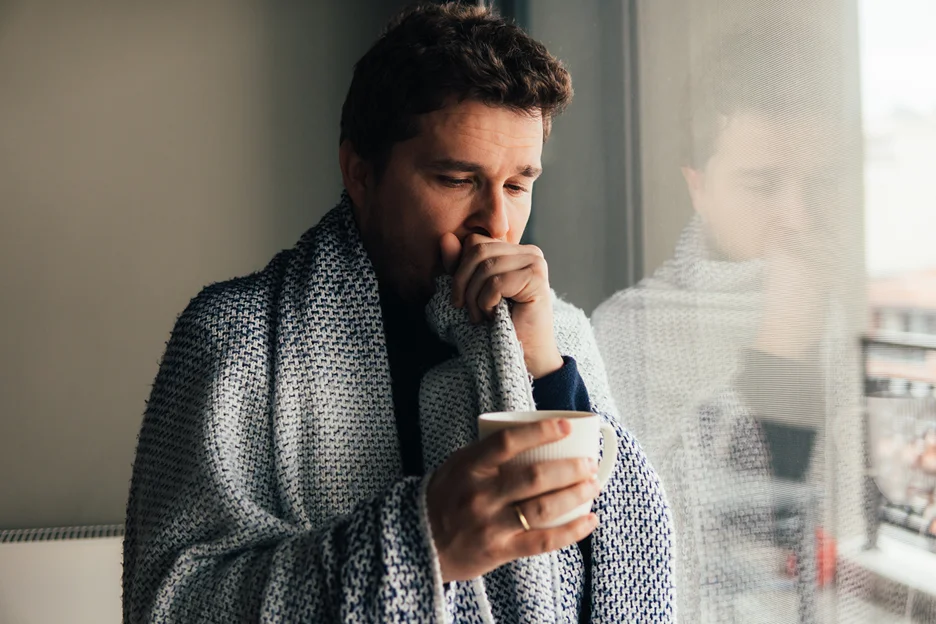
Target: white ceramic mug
pixel 583 441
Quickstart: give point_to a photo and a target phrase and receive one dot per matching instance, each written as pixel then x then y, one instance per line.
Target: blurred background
pixel 148 149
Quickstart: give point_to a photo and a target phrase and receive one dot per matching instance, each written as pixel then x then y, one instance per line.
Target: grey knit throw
pixel 268 483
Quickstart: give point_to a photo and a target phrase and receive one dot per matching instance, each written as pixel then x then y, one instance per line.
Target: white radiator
pixel 61 576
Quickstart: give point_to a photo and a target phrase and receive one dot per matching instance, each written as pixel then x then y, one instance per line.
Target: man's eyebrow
pixel 451 164
pixel 529 171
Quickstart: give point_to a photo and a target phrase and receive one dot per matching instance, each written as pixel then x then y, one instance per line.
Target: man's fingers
pixel 539 541
pixel 500 277
pixel 546 508
pixel 475 250
pixel 451 249
pixel 504 445
pixel 480 251
pixel 518 286
pixel 517 483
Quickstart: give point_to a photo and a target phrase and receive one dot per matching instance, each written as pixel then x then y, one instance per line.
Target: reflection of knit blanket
pixel 268 483
pixel 673 349
pixel 671 346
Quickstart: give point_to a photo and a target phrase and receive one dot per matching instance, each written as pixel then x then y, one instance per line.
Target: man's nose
pixel 490 215
pixel 795 212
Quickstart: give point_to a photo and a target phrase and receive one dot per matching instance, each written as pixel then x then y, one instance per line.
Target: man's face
pixel 470 170
pixel 768 181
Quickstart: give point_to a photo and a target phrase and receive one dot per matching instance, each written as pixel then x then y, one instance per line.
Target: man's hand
pixel 485 271
pixel 471 499
pixel 795 292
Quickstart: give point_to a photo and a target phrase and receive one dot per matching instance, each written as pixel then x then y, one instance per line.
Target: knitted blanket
pixel 268 483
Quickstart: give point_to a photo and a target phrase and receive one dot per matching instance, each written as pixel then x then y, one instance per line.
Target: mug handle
pixel 609 446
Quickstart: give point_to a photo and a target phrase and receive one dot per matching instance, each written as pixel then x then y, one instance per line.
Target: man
pixel 726 362
pixel 309 450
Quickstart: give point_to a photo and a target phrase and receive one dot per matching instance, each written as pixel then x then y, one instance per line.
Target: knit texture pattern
pixel 268 483
pixel 672 346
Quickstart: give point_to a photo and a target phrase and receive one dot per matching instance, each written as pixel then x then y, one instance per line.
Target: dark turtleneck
pixel 413 349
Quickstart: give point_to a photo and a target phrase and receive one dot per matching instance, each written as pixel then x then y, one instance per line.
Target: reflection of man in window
pixel 717 361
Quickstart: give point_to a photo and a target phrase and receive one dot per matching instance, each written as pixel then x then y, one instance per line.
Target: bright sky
pixel 898 71
pixel 898 55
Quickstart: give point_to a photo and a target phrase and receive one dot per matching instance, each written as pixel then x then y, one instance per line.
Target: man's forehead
pixel 754 141
pixel 474 121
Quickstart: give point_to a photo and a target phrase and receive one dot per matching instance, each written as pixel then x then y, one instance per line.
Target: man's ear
pixel 695 184
pixel 356 173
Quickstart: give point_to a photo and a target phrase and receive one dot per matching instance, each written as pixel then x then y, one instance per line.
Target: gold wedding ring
pixel 522 518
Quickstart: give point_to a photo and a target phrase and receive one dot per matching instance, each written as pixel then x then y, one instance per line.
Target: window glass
pixel 780 155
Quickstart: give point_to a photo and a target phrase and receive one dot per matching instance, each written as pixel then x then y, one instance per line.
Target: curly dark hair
pixel 433 54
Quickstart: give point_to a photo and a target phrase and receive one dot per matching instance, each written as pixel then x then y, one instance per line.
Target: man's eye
pixel 516 188
pixel 454 182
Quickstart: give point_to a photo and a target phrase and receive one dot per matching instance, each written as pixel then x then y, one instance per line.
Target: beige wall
pixel 146 149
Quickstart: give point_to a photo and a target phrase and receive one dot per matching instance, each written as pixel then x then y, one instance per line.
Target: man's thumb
pixel 451 252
